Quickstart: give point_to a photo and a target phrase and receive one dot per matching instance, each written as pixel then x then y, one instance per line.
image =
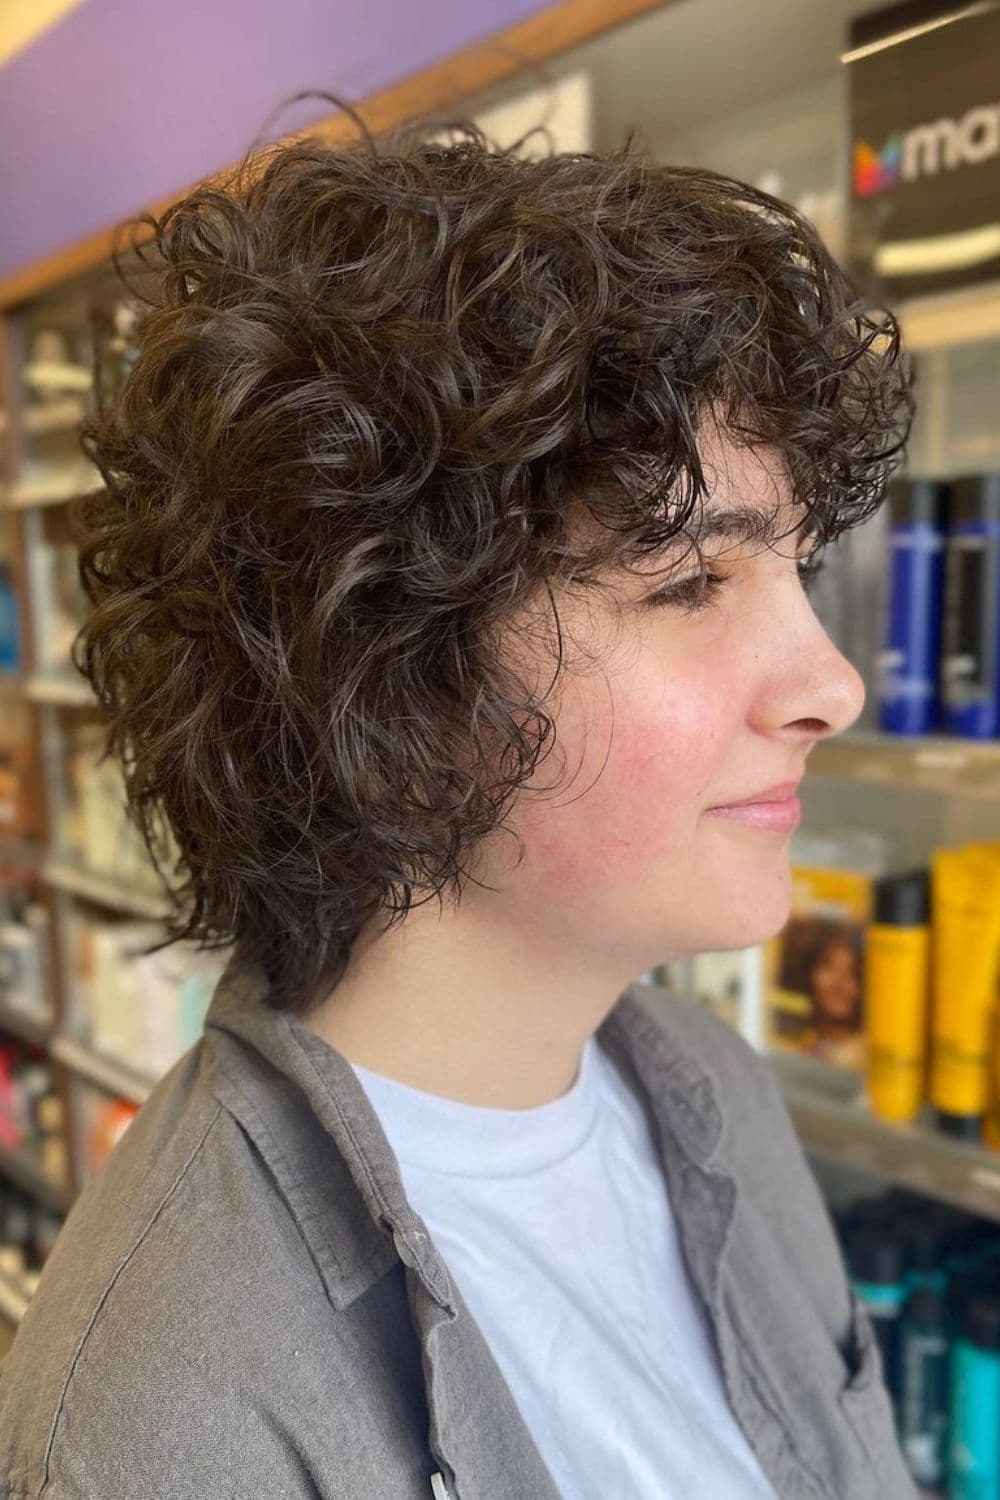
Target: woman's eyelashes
pixel 696 592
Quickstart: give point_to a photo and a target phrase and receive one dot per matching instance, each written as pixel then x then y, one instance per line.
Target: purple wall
pixel 126 101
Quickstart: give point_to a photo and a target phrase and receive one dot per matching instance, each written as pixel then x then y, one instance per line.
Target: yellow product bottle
pixel 897 995
pixel 991 1128
pixel 965 901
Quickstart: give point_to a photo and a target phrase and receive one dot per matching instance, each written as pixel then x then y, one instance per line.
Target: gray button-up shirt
pixel 243 1305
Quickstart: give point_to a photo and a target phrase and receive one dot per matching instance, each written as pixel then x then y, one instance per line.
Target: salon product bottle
pixel 925 1237
pixel 970 640
pixel 991 1125
pixel 965 1248
pixel 974 1416
pixel 908 663
pixel 877 1266
pixel 965 949
pixel 9 647
pixel 924 1384
pixel 897 995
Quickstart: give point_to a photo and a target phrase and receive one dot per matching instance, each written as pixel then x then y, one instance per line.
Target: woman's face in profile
pixel 692 709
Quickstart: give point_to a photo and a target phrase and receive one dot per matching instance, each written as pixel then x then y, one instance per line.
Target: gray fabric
pixel 242 1303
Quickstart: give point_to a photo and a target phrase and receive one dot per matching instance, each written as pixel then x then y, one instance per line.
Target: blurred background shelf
pixel 832 1119
pixel 106 1072
pixel 18 1022
pixel 15 1294
pixel 28 1174
pixel 105 890
pixel 936 763
pixel 59 688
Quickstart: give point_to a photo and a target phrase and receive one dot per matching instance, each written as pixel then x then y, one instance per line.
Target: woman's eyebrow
pixel 747 525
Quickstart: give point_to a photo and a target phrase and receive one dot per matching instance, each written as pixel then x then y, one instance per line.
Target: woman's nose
pixel 817 692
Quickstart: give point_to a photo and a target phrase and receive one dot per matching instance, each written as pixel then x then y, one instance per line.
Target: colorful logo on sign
pixel 938 145
pixel 875 171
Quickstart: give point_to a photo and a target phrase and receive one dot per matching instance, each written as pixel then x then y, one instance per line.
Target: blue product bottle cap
pixel 903 900
pixel 916 500
pixel 959 1127
pixel 975 497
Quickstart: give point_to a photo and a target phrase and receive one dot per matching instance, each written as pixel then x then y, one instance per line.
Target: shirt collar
pixel 325 1158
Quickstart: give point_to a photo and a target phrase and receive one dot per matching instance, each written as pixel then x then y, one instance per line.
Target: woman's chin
pixel 758 925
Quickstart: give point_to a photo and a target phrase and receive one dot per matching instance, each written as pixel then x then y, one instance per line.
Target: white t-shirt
pixel 556 1225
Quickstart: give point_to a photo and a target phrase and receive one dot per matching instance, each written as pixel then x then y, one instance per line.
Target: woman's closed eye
pixel 695 592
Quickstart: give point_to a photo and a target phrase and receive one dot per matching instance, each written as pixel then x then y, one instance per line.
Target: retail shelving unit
pixel 828 1108
pixel 52 351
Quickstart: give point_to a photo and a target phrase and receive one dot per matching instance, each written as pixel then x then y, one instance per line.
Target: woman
pixel 432 460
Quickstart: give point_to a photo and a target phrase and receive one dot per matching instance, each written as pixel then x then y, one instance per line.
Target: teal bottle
pixel 924 1348
pixel 876 1262
pixel 922 1417
pixel 974 1426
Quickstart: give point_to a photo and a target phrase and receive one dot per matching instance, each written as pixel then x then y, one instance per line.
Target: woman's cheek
pixel 626 809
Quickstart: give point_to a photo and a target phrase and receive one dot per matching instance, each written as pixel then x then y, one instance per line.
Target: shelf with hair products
pixel 927 1275
pixel 88 1018
pixel 876 1004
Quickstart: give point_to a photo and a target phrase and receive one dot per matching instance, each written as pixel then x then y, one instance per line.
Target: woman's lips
pixel 772 817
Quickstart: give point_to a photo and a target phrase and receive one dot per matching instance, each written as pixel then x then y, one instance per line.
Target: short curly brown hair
pixel 383 394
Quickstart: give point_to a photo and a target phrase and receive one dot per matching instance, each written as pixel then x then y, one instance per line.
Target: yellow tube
pixel 897 999
pixel 965 901
pixel 991 1128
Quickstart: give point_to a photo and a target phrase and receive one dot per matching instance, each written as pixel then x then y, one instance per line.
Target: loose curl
pixel 382 396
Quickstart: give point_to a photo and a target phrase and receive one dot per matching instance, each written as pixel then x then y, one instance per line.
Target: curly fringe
pixel 382 396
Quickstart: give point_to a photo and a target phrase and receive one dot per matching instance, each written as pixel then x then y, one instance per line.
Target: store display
pixel 929 1277
pixel 92 828
pixel 61 604
pixel 30 1121
pixel 924 127
pixel 28 1231
pixel 142 1009
pixel 25 979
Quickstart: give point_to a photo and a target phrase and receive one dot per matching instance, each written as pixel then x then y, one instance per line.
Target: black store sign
pixel 925 149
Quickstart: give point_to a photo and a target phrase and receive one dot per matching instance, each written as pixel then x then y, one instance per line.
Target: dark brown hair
pixel 383 394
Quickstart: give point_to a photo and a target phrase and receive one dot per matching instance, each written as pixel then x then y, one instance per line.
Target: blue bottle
pixel 9 644
pixel 970 645
pixel 974 1426
pixel 907 666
